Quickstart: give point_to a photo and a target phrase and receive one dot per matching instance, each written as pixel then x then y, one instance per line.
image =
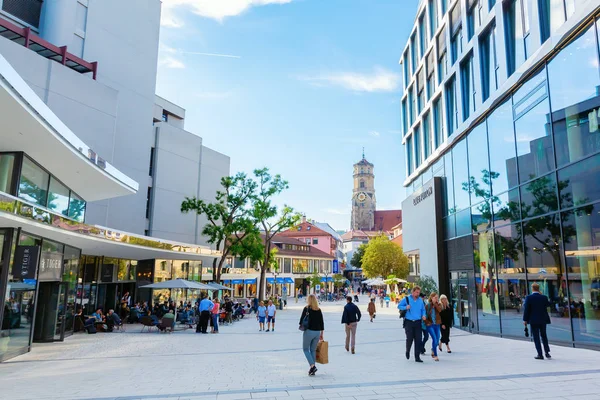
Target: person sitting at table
pixel 168 315
pixel 112 320
pixel 98 316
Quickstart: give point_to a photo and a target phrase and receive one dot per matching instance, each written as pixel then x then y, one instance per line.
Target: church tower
pixel 363 196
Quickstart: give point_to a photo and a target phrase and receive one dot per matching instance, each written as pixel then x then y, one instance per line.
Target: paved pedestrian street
pixel 242 363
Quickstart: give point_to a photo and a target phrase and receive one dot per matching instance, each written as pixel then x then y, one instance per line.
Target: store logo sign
pixel 425 194
pixel 25 262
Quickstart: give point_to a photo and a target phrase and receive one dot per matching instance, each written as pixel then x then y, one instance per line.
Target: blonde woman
pixel 447 318
pixel 433 321
pixel 313 331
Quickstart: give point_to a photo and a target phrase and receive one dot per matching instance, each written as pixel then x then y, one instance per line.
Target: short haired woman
pixel 447 317
pixel 313 333
pixel 433 322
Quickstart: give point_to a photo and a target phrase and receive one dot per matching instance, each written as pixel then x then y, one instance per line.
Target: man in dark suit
pixel 536 315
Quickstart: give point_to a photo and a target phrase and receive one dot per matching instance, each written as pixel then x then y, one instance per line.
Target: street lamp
pixel 275 282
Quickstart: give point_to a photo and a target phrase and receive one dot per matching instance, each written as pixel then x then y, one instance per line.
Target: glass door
pixel 61 312
pixel 463 300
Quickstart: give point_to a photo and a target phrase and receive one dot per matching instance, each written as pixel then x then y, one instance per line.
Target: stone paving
pixel 242 363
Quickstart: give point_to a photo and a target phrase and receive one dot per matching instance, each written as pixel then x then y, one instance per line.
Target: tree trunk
pixel 263 271
pixel 216 276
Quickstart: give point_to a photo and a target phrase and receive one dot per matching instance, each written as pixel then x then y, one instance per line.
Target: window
pixel 485 282
pixel 579 182
pixel 444 6
pixel 491 3
pixel 473 19
pixel 433 18
pixel 456 32
pixel 429 64
pixel 574 98
pixel 461 175
pixel 315 241
pixel 151 169
pixel 411 107
pixel 448 185
pixel 438 126
pixel 489 63
pixel 77 208
pixel 417 136
pixel 426 136
pixel 553 13
pixel 148 200
pixel 362 184
pixel 7 165
pixel 308 228
pixel 405 68
pixel 513 35
pixel 539 197
pixel 33 185
pixel 413 51
pixel 165 116
pixel 409 159
pixel 467 87
pixel 58 199
pixel 479 164
pixel 422 35
pixel 451 109
pixel 503 156
pixel 442 56
pixel 404 117
pixel 420 90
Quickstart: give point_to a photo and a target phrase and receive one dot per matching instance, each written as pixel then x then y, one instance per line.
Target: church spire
pixel 363 153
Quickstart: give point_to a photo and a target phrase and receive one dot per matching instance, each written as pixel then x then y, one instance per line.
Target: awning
pixel 216 286
pixel 177 284
pixel 227 281
pixel 237 281
pixel 280 280
pixel 288 280
pixel 271 280
pixel 328 279
pixel 250 281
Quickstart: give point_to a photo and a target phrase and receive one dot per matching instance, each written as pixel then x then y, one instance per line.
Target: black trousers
pixel 538 330
pixel 445 335
pixel 204 318
pixel 414 333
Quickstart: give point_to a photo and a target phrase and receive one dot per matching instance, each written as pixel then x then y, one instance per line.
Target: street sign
pixel 336 267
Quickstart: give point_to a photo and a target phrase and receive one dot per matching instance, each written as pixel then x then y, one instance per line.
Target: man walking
pixel 350 317
pixel 536 315
pixel 415 313
pixel 205 308
pixel 271 311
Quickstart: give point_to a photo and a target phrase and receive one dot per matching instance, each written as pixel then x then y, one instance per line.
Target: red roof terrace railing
pixel 25 37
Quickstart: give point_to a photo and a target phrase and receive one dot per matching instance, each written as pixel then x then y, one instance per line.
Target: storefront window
pixel 581 230
pixel 485 263
pixel 503 157
pixel 542 249
pixel 448 184
pixel 506 207
pixel 578 183
pixel 512 283
pixel 539 197
pixel 481 216
pixel 33 185
pixel 463 222
pixel 479 165
pixel 461 175
pixel 287 265
pixel 301 266
pixel 7 164
pixel 575 100
pixel 58 199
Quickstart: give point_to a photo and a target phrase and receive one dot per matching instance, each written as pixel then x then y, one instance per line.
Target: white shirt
pixel 271 310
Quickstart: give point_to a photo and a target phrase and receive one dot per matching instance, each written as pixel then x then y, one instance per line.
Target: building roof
pixel 360 235
pixel 312 252
pixel 364 162
pixel 329 229
pixel 301 230
pixel 386 220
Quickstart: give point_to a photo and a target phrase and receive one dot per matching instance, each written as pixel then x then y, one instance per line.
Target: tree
pixel 338 280
pixel 427 285
pixel 230 226
pixel 268 217
pixel 314 280
pixel 357 257
pixel 383 258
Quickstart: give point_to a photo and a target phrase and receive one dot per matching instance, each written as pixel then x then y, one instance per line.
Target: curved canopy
pixel 178 284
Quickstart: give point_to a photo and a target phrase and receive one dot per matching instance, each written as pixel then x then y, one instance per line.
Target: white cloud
pixel 215 9
pixel 374 134
pixel 170 62
pixel 395 132
pixel 380 80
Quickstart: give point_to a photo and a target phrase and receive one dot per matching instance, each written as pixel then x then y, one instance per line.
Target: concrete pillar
pixel 57 22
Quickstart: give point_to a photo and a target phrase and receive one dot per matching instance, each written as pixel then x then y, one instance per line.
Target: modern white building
pixel 500 115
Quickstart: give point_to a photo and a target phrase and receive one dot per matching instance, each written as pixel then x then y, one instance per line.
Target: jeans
pixel 425 337
pixel 434 332
pixel 413 334
pixel 215 321
pixel 538 330
pixel 351 334
pixel 310 339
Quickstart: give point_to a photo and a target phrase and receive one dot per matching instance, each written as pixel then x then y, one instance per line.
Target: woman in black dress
pixel 447 321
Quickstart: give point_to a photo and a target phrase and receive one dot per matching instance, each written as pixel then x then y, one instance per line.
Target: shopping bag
pixel 323 352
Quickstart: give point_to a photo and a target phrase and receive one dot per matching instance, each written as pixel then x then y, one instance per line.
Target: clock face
pixel 362 197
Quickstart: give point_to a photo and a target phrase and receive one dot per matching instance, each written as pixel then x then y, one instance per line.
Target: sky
pixel 298 86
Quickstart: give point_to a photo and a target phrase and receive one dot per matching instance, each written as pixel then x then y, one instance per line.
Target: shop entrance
pixel 462 287
pixel 107 297
pixel 53 314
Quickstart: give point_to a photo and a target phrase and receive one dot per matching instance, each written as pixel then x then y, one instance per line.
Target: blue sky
pixel 299 86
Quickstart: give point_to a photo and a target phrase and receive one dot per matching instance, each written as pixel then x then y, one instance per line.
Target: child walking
pixel 261 315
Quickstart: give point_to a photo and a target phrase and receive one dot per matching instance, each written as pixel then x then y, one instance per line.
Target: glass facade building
pixel 520 175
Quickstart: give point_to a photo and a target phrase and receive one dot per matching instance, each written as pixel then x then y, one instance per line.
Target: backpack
pixel 403 312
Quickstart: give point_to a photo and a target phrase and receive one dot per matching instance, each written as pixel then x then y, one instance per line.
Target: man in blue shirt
pixel 415 313
pixel 205 309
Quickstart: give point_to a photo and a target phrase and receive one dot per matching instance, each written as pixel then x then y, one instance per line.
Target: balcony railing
pixel 25 37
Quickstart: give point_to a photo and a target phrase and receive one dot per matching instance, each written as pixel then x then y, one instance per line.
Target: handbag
pixel 304 325
pixel 322 352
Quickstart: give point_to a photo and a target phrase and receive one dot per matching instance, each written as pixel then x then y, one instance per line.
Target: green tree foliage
pixel 383 258
pixel 357 257
pixel 338 280
pixel 427 285
pixel 314 280
pixel 270 218
pixel 231 227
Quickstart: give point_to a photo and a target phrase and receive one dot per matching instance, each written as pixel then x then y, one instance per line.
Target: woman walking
pixel 371 308
pixel 433 322
pixel 447 317
pixel 313 332
pixel 215 316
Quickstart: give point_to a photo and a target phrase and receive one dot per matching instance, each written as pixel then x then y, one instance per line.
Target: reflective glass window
pixel 409 155
pixel 539 197
pixel 461 175
pixel 481 216
pixel 467 87
pixel 484 260
pixel 448 184
pixel 413 51
pixel 579 183
pixel 534 142
pixel 433 23
pixel 450 226
pixel 479 166
pixel 463 222
pixel 422 35
pixel 451 106
pixel 542 248
pixel 487 54
pixel 404 117
pixel 581 232
pixel 575 98
pixel 512 283
pixel 417 136
pixel 503 158
pixel 33 185
pixel 7 165
pixel 58 199
pixel 438 125
pixel 77 208
pixel 513 35
pixel 426 136
pixel 506 207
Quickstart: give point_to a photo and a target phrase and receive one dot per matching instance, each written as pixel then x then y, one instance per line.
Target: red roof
pixel 312 252
pixel 301 231
pixel 386 220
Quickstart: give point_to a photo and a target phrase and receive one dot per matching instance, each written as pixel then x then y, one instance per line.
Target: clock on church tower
pixel 363 196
